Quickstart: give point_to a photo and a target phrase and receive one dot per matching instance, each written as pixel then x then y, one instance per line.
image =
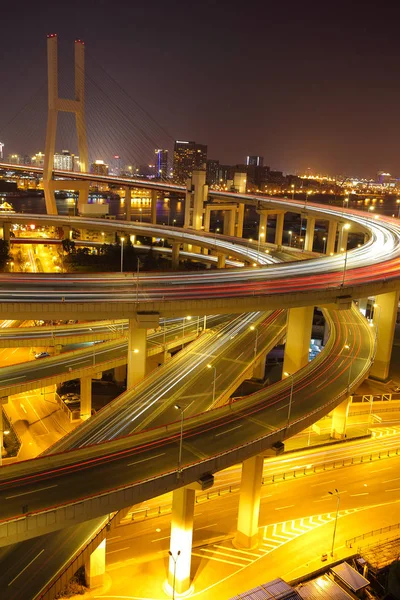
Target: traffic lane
pixel 30 565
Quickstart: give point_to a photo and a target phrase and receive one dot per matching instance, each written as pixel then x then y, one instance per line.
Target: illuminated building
pixel 116 165
pixel 38 159
pixel 64 161
pixel 254 161
pixel 99 167
pixel 188 156
pixel 161 163
pixel 212 176
pixel 14 159
pixel 1 150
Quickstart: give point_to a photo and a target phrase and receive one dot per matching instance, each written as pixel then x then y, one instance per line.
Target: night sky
pixel 306 85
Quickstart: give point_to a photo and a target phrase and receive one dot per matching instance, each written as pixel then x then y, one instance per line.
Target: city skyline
pixel 304 89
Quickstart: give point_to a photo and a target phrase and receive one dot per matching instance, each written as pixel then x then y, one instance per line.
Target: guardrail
pixel 358 538
pixel 217 492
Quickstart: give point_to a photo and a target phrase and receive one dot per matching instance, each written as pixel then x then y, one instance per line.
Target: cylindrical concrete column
pixel 154 207
pixel 339 419
pixel 331 241
pixel 343 237
pixel 175 254
pixel 280 217
pixel 128 205
pixel 6 232
pixel 120 374
pixel 249 503
pixel 207 218
pixel 95 567
pixel 263 223
pixel 229 221
pixel 239 220
pixel 385 314
pixel 221 261
pixel 298 338
pixel 137 353
pixel 309 241
pixel 181 539
pixel 86 397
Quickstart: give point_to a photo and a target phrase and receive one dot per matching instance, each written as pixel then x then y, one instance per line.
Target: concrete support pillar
pixel 67 233
pixel 331 241
pixel 95 567
pixel 385 314
pixel 342 239
pixel 120 374
pixel 128 205
pixel 176 246
pixel 279 228
pixel 259 367
pixel 86 397
pixel 221 261
pixel 309 241
pixel 181 539
pixel 263 223
pixel 137 353
pixel 239 220
pixel 229 222
pixel 154 207
pixel 207 218
pixel 298 338
pixel 362 305
pixel 196 195
pixel 6 232
pixel 339 419
pixel 249 503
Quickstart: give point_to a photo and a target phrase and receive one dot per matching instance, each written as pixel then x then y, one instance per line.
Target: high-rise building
pixel 99 167
pixel 116 168
pixel 254 161
pixel 161 163
pixel 64 161
pixel 212 175
pixel 14 159
pixel 37 159
pixel 1 150
pixel 188 156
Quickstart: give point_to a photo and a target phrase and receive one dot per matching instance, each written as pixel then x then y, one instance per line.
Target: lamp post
pixel 335 493
pixel 175 559
pixel 214 380
pixel 3 432
pixel 290 238
pixel 324 240
pixel 345 226
pixel 290 398
pixel 260 235
pixel 122 252
pixel 376 306
pixel 292 186
pixel 140 215
pixel 398 211
pixel 253 328
pixel 182 411
pixel 183 328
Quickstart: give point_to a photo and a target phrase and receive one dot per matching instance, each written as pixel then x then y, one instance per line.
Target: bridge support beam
pixel 249 503
pixel 221 261
pixel 298 338
pixel 153 216
pixel 343 238
pixel 280 217
pixel 229 221
pixel 137 346
pixel 196 195
pixel 259 367
pixel 309 241
pixel 331 241
pixel 263 222
pixel 181 539
pixel 86 397
pixel 385 314
pixel 120 374
pixel 6 232
pixel 95 567
pixel 339 419
pixel 128 203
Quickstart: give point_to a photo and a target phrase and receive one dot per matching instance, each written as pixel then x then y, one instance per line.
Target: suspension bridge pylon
pixel 56 105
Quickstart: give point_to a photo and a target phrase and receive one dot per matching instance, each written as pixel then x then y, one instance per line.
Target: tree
pixel 4 253
pixel 68 245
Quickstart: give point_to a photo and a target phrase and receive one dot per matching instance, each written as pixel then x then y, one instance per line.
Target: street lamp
pixel 376 306
pixel 183 328
pixel 324 240
pixel 2 433
pixel 292 186
pixel 398 211
pixel 290 238
pixel 290 398
pixel 122 252
pixel 252 327
pixel 215 378
pixel 345 226
pixel 174 558
pixel 182 411
pixel 335 493
pixel 260 235
pixel 140 214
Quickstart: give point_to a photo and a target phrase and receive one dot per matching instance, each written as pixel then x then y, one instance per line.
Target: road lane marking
pixel 120 550
pixel 31 492
pixel 389 480
pixel 283 507
pixel 160 539
pixel 384 469
pixel 206 526
pixel 228 430
pixel 393 490
pixel 23 408
pixel 24 569
pixel 363 494
pixel 145 459
pixel 113 538
pixel 323 483
pixel 11 379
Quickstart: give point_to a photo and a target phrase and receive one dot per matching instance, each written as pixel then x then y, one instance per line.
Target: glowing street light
pixel 345 226
pixel 175 559
pixel 253 328
pixel 183 327
pixel 290 238
pixel 335 493
pixel 182 411
pixel 324 240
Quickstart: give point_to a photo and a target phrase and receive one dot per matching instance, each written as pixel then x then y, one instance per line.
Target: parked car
pixel 42 355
